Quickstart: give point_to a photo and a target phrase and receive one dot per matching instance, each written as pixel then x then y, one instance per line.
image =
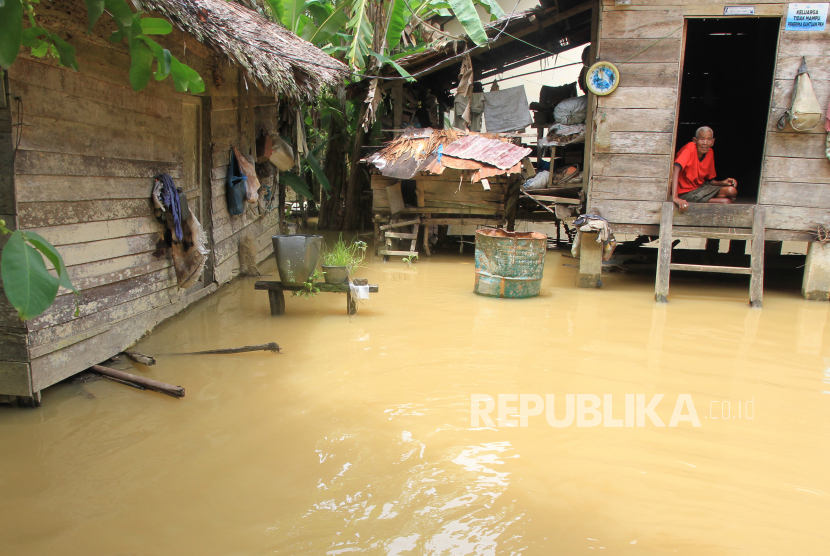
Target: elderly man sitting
pixel 693 178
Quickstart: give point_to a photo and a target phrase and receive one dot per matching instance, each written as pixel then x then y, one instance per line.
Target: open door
pixel 195 180
pixel 728 71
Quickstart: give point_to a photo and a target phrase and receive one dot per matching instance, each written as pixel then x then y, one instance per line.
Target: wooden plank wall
pixel 84 173
pixel 630 178
pixel 446 194
pixel 15 377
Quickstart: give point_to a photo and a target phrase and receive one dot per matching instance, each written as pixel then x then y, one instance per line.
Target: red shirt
pixel 695 171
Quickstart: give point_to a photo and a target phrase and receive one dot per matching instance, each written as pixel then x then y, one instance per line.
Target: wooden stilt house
pixel 79 152
pixel 730 66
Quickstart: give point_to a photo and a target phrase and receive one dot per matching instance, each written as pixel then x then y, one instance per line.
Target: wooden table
pixel 276 293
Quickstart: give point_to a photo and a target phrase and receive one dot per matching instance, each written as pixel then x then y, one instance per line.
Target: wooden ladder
pixel 755 270
pixel 388 236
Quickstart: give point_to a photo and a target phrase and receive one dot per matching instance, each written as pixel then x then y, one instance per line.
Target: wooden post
pixel 590 261
pixel 712 245
pixel 427 252
pixel 756 280
pixel 351 304
pixel 281 207
pixel 277 300
pixel 661 286
pixel 816 284
pixel 397 105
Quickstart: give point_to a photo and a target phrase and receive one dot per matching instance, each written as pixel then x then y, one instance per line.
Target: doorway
pixel 728 70
pixel 196 162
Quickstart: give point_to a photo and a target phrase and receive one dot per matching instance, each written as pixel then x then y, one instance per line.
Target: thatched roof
pixel 270 54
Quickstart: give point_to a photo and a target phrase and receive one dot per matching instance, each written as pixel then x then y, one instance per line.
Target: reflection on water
pixel 357 438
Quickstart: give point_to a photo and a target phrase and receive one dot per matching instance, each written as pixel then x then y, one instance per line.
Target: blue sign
pixel 806 17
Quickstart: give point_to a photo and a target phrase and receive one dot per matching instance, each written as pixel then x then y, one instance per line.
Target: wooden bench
pixel 276 294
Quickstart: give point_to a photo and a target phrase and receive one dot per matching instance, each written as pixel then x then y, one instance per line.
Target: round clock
pixel 602 78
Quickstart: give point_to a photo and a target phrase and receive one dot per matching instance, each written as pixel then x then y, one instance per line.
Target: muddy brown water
pixel 358 437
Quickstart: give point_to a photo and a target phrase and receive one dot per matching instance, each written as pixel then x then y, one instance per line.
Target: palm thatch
pixel 271 55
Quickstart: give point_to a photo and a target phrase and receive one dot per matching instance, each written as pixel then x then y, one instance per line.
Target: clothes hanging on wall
pixel 169 201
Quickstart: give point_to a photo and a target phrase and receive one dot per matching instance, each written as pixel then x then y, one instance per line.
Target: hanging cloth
pixel 170 200
pixel 235 186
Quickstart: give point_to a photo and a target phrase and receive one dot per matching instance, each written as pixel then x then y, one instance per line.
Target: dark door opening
pixel 728 71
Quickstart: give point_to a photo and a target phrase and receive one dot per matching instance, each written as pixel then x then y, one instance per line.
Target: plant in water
pixel 341 254
pixel 28 285
pixel 310 288
pixel 408 259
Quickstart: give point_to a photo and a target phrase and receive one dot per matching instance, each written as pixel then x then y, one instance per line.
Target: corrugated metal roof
pixel 488 151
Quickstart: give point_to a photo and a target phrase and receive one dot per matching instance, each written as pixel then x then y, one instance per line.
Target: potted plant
pixel 341 259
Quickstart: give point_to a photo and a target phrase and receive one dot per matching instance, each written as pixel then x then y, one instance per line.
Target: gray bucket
pixel 296 257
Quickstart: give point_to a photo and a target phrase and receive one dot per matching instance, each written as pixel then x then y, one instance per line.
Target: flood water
pixel 358 437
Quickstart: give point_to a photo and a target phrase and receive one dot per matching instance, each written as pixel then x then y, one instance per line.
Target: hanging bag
pixel 805 112
pixel 235 187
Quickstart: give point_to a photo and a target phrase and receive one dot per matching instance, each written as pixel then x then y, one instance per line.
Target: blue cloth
pixel 170 199
pixel 542 165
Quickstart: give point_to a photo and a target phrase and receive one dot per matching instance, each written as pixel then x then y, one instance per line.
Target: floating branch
pixel 272 347
pixel 164 388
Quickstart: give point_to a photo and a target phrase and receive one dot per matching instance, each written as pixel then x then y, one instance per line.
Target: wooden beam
pixel 661 285
pixel 711 268
pixel 756 282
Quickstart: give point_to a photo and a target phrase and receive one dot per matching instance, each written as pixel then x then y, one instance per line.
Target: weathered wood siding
pixel 446 194
pixel 630 178
pixel 15 378
pixel 84 173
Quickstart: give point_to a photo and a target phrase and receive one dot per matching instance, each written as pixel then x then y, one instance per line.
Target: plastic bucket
pixel 296 257
pixel 509 264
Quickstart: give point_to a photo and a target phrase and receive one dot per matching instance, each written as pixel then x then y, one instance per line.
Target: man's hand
pixel 682 204
pixel 731 181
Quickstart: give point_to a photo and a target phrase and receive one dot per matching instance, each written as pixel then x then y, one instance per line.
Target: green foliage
pixel 11 31
pixel 408 259
pixel 362 34
pixel 310 288
pixel 131 26
pixel 342 254
pixel 27 283
pixel 296 183
pixel 397 22
pixel 467 16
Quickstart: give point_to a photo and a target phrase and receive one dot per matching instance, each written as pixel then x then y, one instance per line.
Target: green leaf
pixel 396 65
pixel 397 22
pixel 194 80
pixel 180 78
pixel 308 28
pixel 155 26
pixel 162 55
pixel 491 7
pixel 32 36
pixel 362 32
pixel 330 26
pixel 296 183
pixel 467 16
pixel 277 8
pixel 141 66
pixel 66 52
pixel 314 165
pixel 11 31
pixel 94 9
pixel 293 10
pixel 28 285
pixel 40 50
pixel 116 37
pixel 120 11
pixel 50 252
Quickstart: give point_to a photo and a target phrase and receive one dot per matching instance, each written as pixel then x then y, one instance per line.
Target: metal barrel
pixel 296 257
pixel 509 264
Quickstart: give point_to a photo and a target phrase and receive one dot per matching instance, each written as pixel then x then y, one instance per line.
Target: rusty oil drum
pixel 509 264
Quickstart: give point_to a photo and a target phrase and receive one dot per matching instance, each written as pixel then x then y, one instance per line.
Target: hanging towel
pixel 506 110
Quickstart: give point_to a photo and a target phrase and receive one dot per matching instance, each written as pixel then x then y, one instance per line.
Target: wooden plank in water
pixel 711 268
pixel 324 287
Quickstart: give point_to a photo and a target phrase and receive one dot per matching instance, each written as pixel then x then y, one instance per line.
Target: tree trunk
pixel 334 168
pixel 351 196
